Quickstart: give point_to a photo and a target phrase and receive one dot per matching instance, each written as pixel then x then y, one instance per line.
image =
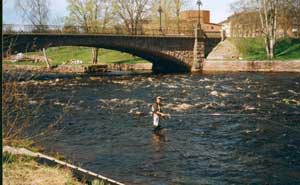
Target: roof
pixel 223 21
pixel 215 24
pixel 194 11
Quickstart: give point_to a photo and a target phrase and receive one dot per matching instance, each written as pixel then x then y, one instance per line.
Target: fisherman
pixel 158 114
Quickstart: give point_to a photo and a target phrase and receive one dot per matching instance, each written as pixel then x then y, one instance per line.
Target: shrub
pixel 21 114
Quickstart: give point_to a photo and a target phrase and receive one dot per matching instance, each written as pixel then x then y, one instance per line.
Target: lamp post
pixel 199 3
pixel 160 12
pixel 198 47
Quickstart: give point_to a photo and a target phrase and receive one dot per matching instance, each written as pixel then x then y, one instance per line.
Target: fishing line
pixel 212 114
pixel 282 125
pixel 232 114
pixel 182 154
pixel 260 115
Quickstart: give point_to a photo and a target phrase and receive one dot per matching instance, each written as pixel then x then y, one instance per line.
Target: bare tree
pixel 37 12
pixel 169 12
pixel 84 14
pixel 268 16
pixel 106 14
pixel 268 11
pixel 179 4
pixel 21 112
pixel 132 12
pixel 91 16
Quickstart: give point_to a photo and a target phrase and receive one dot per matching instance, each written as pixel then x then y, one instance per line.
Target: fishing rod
pixel 258 115
pixel 238 114
pixel 233 114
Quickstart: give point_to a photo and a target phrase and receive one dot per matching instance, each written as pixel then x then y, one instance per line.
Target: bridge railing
pixel 117 30
pixel 61 29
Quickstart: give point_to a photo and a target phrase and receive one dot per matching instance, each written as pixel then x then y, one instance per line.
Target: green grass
pixel 287 49
pixel 59 55
pixel 254 48
pixel 23 169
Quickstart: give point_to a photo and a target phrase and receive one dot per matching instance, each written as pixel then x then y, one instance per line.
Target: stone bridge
pixel 167 53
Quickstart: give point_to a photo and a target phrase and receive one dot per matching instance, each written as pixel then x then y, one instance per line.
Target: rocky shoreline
pixel 80 68
pixel 209 66
pixel 251 66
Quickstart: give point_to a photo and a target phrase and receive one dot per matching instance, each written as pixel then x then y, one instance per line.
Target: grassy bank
pixel 19 169
pixel 254 48
pixel 23 169
pixel 59 55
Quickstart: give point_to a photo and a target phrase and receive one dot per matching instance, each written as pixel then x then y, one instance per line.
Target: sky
pixel 220 10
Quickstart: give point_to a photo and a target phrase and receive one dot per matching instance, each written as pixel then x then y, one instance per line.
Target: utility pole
pixel 160 12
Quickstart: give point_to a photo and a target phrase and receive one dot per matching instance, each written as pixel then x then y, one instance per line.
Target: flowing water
pixel 239 128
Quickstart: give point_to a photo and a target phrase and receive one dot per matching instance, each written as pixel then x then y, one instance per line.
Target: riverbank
pixel 80 68
pixel 22 166
pixel 250 66
pixel 21 169
pixel 209 66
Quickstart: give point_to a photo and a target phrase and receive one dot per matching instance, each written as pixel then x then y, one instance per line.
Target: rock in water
pixel 19 57
pixel 214 93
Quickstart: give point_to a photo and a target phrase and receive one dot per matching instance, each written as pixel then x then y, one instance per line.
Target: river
pixel 237 128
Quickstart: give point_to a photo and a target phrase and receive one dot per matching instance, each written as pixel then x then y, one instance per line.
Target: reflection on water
pixel 160 136
pixel 240 128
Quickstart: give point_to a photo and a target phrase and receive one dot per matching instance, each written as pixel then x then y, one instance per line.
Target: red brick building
pixel 189 19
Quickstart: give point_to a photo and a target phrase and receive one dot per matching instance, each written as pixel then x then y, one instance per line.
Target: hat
pixel 159 97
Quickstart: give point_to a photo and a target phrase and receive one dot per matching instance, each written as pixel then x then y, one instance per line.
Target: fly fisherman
pixel 157 114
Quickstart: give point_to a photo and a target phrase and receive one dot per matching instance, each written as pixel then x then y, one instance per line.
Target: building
pixel 226 28
pixel 189 19
pixel 245 24
pixel 248 24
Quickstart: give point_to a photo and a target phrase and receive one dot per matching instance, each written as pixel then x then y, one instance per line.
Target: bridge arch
pixel 161 63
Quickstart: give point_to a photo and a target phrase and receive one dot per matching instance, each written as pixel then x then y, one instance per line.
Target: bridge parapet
pixel 62 29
